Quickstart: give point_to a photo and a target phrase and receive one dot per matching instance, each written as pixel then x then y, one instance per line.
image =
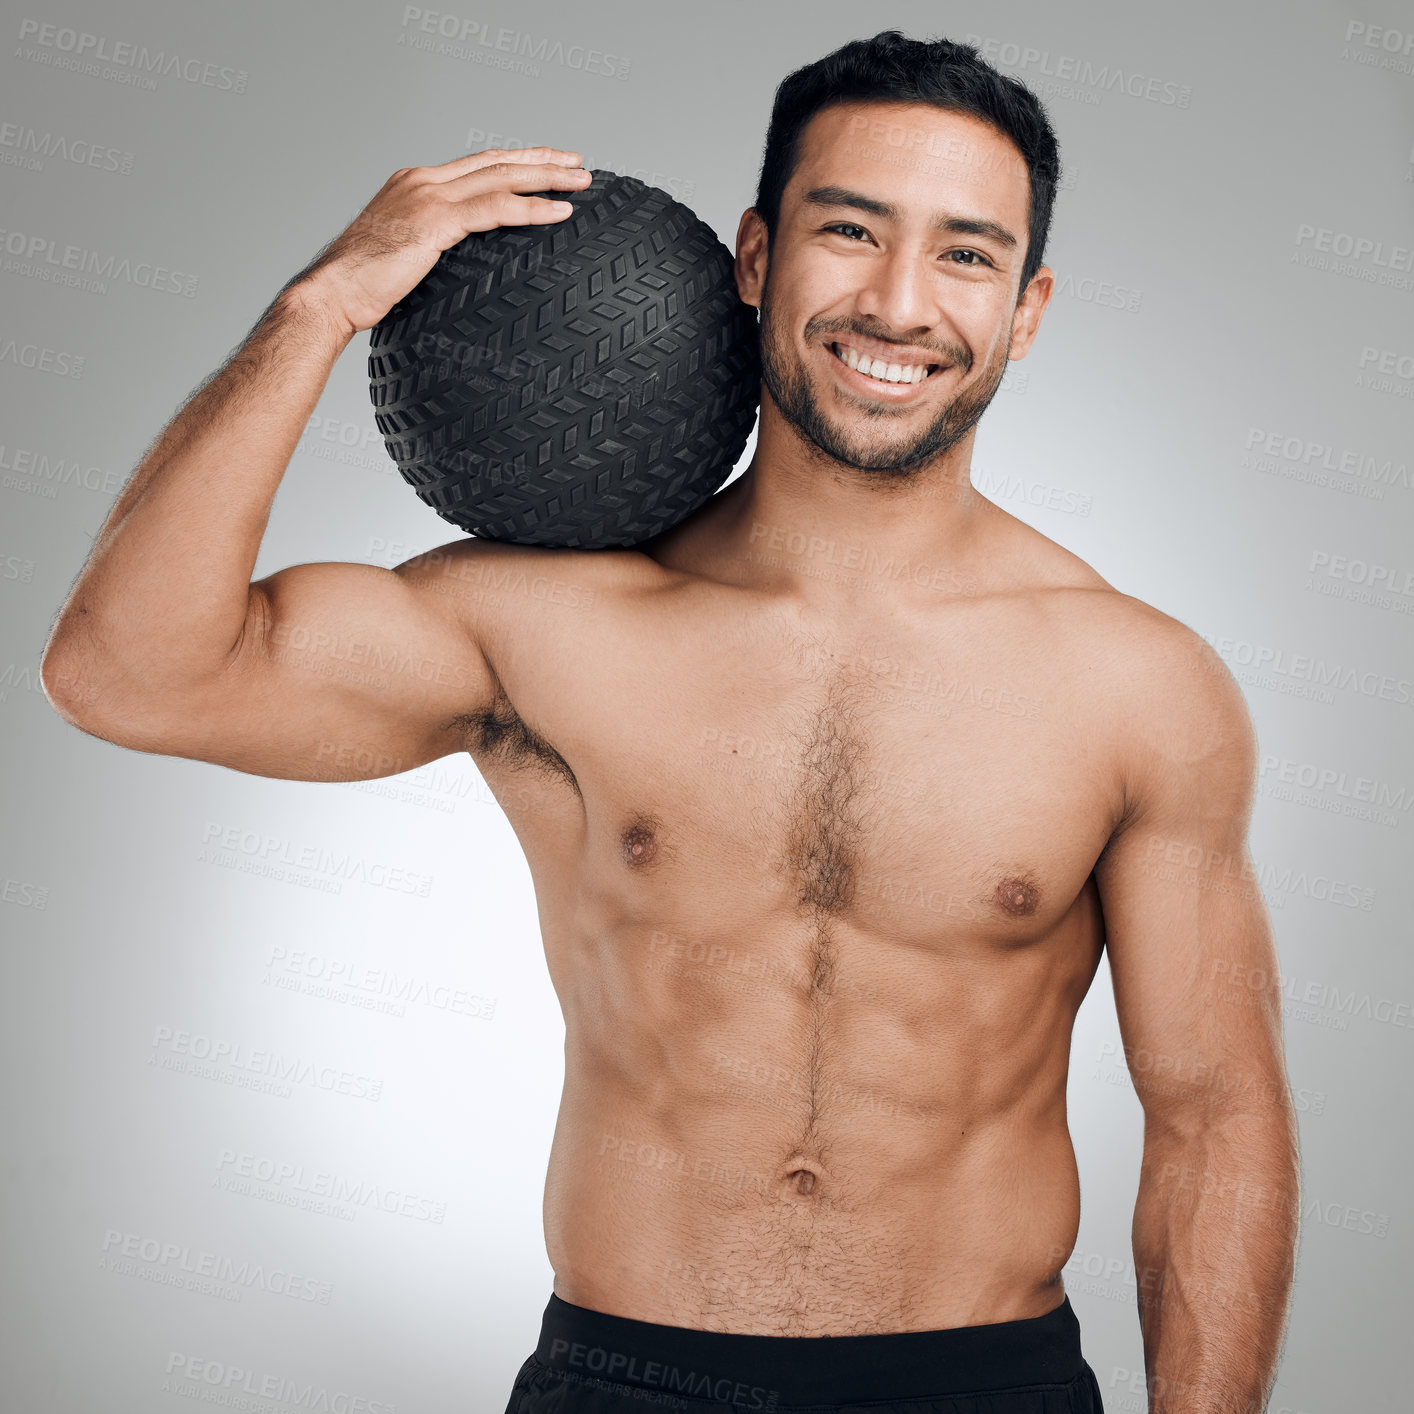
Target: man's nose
pixel 898 294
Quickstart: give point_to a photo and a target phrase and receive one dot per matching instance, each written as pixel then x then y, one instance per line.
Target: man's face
pixel 858 267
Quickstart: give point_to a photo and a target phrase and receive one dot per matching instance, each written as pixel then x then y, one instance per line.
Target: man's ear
pixel 1026 317
pixel 751 257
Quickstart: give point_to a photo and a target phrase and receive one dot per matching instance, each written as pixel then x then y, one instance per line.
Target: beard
pixel 884 447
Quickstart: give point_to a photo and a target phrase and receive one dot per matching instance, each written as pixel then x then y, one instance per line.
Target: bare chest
pixel 915 781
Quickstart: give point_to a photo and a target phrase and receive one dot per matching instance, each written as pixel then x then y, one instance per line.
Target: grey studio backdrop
pixel 1217 416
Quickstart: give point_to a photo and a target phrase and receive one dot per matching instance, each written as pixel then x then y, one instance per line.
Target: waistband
pixel 770 1371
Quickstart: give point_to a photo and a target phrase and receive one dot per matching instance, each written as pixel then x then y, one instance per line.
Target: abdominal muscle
pixel 739 1154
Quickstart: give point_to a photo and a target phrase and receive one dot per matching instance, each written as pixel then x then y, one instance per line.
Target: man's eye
pixel 974 258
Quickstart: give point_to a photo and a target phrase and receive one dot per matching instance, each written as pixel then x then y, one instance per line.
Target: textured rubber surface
pixel 584 384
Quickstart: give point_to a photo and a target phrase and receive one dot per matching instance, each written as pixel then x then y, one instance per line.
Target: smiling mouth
pixel 883 371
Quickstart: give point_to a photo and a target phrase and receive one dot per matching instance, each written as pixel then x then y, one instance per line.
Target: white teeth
pixel 877 368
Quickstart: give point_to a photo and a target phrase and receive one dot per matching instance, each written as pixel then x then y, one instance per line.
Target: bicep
pixel 1190 945
pixel 343 672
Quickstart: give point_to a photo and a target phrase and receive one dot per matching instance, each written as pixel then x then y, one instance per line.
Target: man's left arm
pixel 1199 1003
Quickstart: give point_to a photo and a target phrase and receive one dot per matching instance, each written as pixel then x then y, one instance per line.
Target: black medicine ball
pixel 585 384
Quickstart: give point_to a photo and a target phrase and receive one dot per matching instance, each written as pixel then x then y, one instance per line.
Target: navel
pixel 1018 897
pixel 800 1177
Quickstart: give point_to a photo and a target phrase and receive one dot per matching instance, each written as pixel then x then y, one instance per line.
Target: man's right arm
pixel 165 644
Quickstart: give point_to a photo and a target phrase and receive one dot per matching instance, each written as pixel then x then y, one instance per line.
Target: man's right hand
pixel 421 211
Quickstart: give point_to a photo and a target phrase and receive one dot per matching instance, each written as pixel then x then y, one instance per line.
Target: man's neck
pixel 793 521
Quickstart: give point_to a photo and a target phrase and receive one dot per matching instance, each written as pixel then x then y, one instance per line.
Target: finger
pixel 475 161
pixel 545 176
pixel 503 208
pixel 538 211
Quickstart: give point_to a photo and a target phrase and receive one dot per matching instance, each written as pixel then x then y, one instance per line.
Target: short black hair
pixel 891 68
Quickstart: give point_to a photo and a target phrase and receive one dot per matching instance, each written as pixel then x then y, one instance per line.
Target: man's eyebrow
pixel 946 225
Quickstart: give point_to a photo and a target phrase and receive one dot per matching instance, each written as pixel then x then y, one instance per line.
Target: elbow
pixel 121 706
pixel 68 682
pixel 85 697
pixel 1262 1135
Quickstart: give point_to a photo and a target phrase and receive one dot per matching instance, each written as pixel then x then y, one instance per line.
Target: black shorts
pixel 591 1363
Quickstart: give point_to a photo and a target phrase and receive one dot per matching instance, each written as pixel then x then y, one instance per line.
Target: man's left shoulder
pixel 1151 664
pixel 1170 683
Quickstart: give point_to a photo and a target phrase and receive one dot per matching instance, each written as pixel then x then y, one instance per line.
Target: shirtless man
pixel 832 796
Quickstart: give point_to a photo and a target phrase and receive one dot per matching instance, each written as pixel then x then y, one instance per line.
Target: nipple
pixel 639 845
pixel 1018 897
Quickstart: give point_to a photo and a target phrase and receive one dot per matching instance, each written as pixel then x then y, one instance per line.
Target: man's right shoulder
pixel 496 587
pixel 473 559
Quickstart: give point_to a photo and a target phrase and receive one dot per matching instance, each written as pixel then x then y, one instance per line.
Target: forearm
pixel 1215 1230
pixel 163 597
